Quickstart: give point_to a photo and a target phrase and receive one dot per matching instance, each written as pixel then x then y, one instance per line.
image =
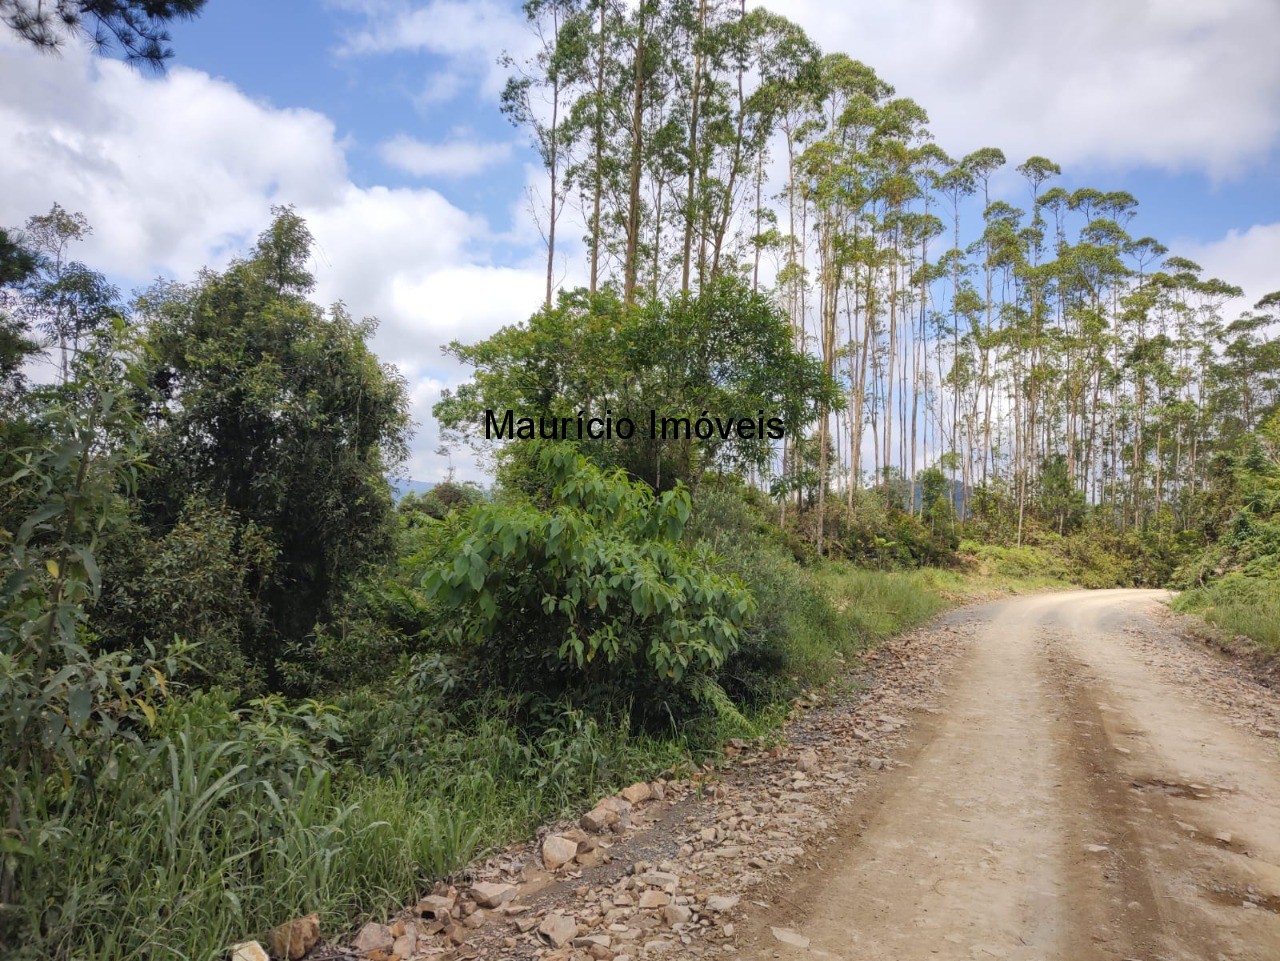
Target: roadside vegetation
pixel 240 683
pixel 1234 583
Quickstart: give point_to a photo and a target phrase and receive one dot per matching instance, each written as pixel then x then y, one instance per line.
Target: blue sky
pixel 296 53
pixel 379 119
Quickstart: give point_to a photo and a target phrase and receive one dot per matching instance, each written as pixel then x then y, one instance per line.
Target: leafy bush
pixel 1249 538
pixel 62 705
pixel 195 584
pixel 438 501
pixel 875 531
pixel 792 614
pixel 593 596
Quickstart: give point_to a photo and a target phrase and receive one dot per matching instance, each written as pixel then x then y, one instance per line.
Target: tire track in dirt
pixel 1060 777
pixel 1069 802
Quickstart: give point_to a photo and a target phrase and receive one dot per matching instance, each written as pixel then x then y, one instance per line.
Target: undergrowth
pixel 1239 604
pixel 234 821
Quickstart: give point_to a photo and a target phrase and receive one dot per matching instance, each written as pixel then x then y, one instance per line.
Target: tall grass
pixel 1248 606
pixel 193 844
pixel 867 607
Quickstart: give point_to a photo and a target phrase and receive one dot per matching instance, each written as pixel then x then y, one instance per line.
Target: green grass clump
pixel 874 605
pixel 1239 604
pixel 229 823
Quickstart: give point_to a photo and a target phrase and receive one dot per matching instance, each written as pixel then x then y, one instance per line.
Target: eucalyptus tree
pixel 981 165
pixel 902 128
pixel 539 93
pixel 63 298
pixel 1030 338
pixel 589 51
pixel 1030 334
pixel 836 185
pixel 955 185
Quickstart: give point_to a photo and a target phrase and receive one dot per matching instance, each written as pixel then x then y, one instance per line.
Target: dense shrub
pixel 438 501
pixel 275 407
pixel 792 613
pixel 593 597
pixel 876 531
pixel 196 583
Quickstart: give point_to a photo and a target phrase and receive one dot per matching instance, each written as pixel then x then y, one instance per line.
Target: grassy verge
pixel 226 822
pixel 208 839
pixel 1051 566
pixel 1240 605
pixel 870 606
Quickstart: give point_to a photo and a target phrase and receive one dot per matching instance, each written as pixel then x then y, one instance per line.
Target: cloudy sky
pixel 379 119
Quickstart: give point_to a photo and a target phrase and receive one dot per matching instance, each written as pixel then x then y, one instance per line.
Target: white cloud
pixel 179 172
pixel 469 34
pixel 449 158
pixel 1177 84
pixel 1249 259
pixel 440 86
pixel 167 171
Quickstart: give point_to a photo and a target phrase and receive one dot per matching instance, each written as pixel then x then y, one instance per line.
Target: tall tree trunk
pixel 598 170
pixel 691 186
pixel 555 186
pixel 637 148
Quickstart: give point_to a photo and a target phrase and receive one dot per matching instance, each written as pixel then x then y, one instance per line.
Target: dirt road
pixel 1069 800
pixel 1064 777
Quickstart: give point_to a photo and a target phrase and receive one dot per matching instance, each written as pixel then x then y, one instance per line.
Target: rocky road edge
pixel 668 868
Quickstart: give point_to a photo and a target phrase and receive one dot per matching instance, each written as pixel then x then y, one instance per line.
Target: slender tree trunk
pixel 691 186
pixel 598 169
pixel 637 147
pixel 555 186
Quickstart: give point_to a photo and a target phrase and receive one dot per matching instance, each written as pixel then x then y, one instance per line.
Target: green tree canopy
pixel 17 264
pixel 726 352
pixel 277 408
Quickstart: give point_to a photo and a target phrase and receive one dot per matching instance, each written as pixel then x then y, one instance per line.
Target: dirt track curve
pixel 1068 801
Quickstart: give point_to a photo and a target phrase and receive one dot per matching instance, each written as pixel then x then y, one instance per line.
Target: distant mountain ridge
pixel 401 487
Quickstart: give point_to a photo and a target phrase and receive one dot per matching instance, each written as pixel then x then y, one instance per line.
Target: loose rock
pixel 654 899
pixel 373 937
pixel 295 938
pixel 598 820
pixel 558 851
pixel 637 792
pixel 406 946
pixel 793 938
pixel 436 906
pixel 675 914
pixel 558 930
pixel 489 895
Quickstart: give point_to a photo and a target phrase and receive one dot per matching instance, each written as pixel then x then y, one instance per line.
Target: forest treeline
pixel 1035 348
pixel 239 682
